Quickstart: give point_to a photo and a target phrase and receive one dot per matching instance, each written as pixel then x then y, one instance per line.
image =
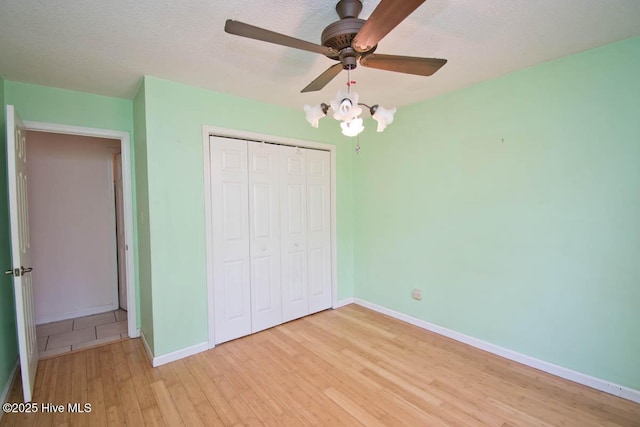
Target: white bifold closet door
pixel 230 213
pixel 293 202
pixel 271 241
pixel 264 232
pixel 306 237
pixel 319 229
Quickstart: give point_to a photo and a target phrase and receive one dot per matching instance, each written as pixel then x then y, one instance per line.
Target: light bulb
pixel 345 106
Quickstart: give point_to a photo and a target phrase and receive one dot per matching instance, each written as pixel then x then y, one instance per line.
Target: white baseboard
pixel 174 355
pixel 7 386
pixel 79 313
pixel 559 371
pixel 180 354
pixel 343 302
pixel 146 347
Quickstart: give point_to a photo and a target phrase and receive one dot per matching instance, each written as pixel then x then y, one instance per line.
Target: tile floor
pixel 74 334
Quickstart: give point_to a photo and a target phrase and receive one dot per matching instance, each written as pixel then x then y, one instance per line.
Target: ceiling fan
pixel 351 39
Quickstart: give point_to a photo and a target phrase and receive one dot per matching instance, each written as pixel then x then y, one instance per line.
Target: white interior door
pixel 293 212
pixel 21 251
pixel 264 231
pixel 120 238
pixel 230 214
pixel 319 229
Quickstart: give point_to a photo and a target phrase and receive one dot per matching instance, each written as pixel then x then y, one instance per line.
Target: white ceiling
pixel 105 47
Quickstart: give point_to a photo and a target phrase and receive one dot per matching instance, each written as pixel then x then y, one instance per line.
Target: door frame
pixel 119 211
pixel 127 188
pixel 209 131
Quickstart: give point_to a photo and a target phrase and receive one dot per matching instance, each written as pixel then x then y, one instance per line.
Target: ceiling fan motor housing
pixel 340 34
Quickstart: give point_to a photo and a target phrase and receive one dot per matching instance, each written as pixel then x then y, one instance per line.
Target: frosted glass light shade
pixel 347 110
pixel 315 113
pixel 345 106
pixel 352 128
pixel 383 116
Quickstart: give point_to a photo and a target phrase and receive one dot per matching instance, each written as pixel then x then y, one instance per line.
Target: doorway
pixel 74 183
pixel 17 183
pixel 117 150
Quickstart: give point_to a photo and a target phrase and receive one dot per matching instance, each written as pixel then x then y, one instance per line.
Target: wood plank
pixel 153 417
pixel 208 415
pixel 95 396
pixel 131 408
pixel 349 366
pixel 167 406
pixel 112 404
pixel 216 399
pixel 353 408
pixel 140 374
pixel 186 409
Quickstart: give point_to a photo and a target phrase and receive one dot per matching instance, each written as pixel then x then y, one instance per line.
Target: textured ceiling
pixel 105 47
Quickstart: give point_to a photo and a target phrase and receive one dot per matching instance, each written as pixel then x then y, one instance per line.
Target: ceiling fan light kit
pixel 350 41
pixel 347 109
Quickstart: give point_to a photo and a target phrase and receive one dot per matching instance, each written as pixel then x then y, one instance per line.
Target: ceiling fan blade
pixel 323 79
pixel 403 64
pixel 385 17
pixel 245 30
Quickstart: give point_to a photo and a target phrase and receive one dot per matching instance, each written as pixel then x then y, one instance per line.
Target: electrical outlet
pixel 416 294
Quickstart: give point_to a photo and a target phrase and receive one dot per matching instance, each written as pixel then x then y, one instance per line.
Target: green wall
pixel 8 342
pixel 175 114
pixel 60 106
pixel 45 104
pixel 142 203
pixel 515 206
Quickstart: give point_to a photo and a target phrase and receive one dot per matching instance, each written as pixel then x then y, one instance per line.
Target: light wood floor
pixel 349 366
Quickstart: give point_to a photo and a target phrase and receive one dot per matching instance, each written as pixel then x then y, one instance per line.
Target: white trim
pixel 207 132
pixel 627 393
pixel 174 355
pixel 114 237
pixel 146 347
pixel 7 387
pixel 180 354
pixel 559 371
pixel 208 227
pixel 344 302
pixel 127 187
pixel 334 230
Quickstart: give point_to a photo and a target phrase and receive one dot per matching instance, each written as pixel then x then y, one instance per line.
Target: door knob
pixel 25 270
pixel 8 272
